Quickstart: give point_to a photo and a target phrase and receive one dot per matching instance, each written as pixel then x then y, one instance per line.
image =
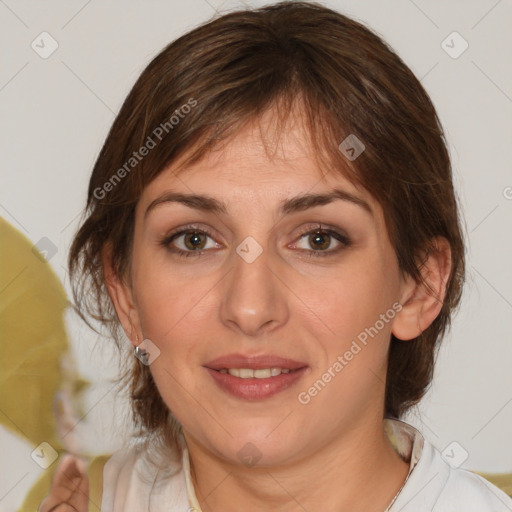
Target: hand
pixel 70 488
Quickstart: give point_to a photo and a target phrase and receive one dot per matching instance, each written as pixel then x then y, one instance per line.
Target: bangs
pixel 321 131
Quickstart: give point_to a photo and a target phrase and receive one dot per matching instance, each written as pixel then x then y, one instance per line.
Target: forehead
pixel 264 157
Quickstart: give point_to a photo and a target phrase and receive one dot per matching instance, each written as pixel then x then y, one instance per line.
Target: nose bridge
pixel 253 299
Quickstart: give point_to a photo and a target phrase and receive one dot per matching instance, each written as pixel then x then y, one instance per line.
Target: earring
pixel 140 353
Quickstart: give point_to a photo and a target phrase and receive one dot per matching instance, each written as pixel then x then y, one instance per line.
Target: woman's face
pixel 228 274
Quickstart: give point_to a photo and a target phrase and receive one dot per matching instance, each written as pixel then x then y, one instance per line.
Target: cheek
pixel 357 309
pixel 168 299
pixel 172 315
pixel 351 298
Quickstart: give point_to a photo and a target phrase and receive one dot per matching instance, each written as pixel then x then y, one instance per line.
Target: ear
pixel 122 298
pixel 422 302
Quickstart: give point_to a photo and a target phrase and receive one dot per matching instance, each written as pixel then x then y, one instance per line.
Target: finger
pixel 69 489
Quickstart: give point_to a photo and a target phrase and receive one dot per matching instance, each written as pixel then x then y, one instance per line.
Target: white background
pixel 55 114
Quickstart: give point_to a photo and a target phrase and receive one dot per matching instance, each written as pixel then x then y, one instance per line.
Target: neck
pixel 358 472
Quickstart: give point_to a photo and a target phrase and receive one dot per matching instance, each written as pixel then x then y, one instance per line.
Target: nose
pixel 255 299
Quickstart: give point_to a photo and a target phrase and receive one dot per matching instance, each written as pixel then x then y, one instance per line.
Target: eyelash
pixel 342 238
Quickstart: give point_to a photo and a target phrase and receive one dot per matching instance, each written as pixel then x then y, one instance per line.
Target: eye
pixel 321 241
pixel 189 241
pixel 192 241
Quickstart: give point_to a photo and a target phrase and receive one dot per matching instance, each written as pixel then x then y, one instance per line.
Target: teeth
pixel 248 373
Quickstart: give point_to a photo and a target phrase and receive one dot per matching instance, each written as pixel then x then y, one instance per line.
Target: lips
pixel 247 377
pixel 254 362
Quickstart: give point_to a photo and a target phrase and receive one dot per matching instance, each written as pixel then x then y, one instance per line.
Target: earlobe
pixel 121 296
pixel 422 302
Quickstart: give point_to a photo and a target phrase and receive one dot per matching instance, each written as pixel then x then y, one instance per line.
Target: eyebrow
pixel 294 204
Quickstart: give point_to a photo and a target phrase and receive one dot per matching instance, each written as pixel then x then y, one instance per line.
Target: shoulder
pixel 475 493
pixel 435 485
pixel 140 477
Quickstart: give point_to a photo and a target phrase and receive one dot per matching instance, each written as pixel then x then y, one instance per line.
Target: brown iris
pixel 193 240
pixel 320 240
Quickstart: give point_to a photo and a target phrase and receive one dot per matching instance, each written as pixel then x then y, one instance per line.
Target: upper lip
pixel 253 362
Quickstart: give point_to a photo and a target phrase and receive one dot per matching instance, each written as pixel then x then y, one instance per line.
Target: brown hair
pixel 229 71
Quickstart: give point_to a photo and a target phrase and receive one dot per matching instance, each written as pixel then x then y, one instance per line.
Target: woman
pixel 272 223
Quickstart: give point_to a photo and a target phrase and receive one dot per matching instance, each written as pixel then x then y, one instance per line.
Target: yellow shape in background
pixel 33 340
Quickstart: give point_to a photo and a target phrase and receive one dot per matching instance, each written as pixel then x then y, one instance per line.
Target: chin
pixel 258 449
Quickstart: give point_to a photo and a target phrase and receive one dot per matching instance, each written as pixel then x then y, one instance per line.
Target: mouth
pixel 260 373
pixel 255 377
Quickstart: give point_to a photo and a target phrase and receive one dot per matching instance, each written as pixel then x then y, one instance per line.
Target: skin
pixel 69 491
pixel 285 303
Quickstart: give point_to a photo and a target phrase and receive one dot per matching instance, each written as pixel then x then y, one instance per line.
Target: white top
pixel 132 484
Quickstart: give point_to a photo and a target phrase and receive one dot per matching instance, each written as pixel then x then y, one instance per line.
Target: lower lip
pixel 256 389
